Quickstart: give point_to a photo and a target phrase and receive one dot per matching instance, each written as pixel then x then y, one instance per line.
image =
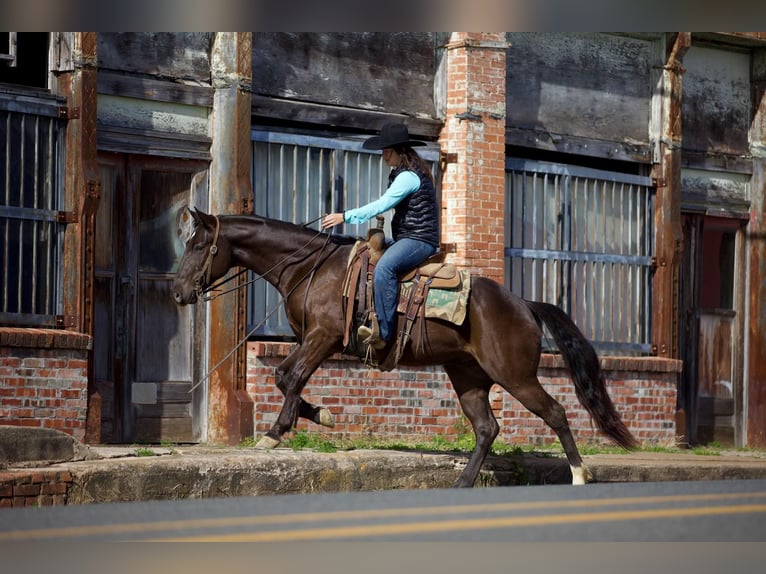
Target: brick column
pixel 473 184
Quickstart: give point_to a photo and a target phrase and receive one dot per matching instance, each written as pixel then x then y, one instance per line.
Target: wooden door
pixel 146 348
pixel 711 381
pixel 689 328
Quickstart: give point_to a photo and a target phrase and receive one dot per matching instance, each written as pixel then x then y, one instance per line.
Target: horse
pixel 499 342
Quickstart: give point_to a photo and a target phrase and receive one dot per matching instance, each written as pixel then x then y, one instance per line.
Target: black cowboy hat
pixel 391 135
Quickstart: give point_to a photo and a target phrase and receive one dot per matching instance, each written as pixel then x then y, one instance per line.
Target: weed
pixel 707 450
pixel 144 451
pixel 464 441
pixel 303 440
pixel 247 442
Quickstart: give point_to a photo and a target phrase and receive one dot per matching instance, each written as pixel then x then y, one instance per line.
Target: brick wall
pixel 44 379
pixel 37 488
pixel 416 404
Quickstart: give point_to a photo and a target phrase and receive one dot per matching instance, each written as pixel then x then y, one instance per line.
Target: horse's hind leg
pixel 472 387
pixel 534 397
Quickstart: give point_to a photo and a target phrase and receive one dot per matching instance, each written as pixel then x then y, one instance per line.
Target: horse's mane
pixel 335 239
pixel 343 239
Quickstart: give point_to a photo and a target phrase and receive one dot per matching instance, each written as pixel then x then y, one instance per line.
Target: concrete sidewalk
pixel 95 474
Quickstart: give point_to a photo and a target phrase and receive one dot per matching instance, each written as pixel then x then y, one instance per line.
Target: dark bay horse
pixel 498 343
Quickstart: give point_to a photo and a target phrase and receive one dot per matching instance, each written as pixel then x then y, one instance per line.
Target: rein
pixel 208 265
pixel 202 292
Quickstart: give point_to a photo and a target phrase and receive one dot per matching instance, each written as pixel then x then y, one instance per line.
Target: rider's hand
pixel 332 219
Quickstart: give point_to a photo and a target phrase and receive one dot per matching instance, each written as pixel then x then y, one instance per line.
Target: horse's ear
pixel 185 221
pixel 203 218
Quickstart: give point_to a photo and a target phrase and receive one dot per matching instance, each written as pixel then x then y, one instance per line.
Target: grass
pixel 464 441
pixel 144 451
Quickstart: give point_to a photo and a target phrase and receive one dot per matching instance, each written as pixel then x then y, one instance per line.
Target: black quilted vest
pixel 417 215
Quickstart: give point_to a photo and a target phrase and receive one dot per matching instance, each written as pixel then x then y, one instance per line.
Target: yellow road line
pixel 314 517
pixel 365 531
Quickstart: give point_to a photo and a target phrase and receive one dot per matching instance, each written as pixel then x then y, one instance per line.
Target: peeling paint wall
pixel 565 89
pixel 374 71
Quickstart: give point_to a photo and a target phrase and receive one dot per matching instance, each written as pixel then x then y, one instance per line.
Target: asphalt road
pixel 659 512
pixel 701 527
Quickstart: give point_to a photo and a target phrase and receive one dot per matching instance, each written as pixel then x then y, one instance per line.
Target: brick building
pixel 619 176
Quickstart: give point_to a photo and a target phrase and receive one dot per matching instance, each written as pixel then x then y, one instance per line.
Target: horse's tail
pixel 583 362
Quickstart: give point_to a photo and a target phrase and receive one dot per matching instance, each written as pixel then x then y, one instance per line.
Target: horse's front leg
pixel 306 410
pixel 301 364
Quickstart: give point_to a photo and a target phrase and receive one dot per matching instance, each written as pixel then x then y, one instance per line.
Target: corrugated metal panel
pixel 582 239
pixel 298 178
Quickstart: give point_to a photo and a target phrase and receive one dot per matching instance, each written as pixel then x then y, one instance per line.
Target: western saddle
pixel 358 302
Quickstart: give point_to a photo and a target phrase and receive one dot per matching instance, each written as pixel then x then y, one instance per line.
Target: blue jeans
pixel 400 257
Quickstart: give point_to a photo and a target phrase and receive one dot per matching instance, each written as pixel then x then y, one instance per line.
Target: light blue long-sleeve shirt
pixel 404 184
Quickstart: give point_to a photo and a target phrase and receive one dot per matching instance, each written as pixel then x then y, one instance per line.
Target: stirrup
pixel 369 337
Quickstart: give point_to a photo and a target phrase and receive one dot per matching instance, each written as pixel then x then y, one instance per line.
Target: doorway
pixel 147 350
pixel 711 381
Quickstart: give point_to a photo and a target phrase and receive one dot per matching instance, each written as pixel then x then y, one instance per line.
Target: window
pixel 31 195
pixel 24 59
pixel 299 178
pixel 581 239
pixel 719 238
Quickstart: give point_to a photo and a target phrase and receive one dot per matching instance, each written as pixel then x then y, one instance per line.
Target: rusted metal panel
pixel 716 103
pixel 583 93
pixel 756 365
pixel 668 232
pixel 756 240
pixel 381 71
pixel 183 56
pixel 230 408
pixel 77 80
pixel 716 193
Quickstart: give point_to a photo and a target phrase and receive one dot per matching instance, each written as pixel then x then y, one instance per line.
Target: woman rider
pixel 415 224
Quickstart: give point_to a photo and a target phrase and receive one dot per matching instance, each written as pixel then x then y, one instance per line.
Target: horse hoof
pixel 266 443
pixel 581 475
pixel 325 418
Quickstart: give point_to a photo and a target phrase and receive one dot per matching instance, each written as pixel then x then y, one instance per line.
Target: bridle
pixel 207 267
pixel 206 271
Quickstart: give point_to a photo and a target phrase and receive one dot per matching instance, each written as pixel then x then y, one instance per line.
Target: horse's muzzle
pixel 184 299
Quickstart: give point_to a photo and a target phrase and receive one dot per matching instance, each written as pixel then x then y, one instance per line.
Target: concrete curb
pixel 24 447
pixel 117 474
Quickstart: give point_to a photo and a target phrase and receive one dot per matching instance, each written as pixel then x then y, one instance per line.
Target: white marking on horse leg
pixel 266 443
pixel 581 474
pixel 325 418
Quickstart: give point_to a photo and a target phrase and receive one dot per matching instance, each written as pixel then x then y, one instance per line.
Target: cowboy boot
pixel 371 335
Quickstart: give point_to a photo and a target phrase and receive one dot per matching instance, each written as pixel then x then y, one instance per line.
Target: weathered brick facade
pixel 415 404
pixel 418 404
pixel 44 379
pixel 44 373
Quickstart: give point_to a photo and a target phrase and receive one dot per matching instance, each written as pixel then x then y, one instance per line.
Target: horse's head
pixel 207 257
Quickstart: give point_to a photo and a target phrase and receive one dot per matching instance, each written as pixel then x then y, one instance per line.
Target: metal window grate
pixel 582 239
pixel 31 231
pixel 298 178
